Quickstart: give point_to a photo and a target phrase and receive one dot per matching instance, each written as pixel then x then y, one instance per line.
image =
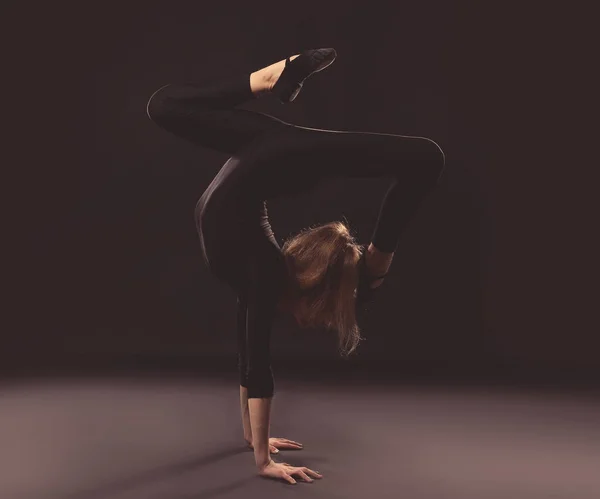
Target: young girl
pixel 321 274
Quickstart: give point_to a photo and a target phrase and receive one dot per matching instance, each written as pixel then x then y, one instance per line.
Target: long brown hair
pixel 322 263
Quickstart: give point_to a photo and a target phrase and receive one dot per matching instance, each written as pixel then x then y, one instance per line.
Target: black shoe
pixel 289 84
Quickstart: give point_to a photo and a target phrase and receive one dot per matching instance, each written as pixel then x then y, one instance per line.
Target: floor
pixel 154 438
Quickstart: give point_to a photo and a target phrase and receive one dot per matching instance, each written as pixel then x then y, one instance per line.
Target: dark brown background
pixel 497 275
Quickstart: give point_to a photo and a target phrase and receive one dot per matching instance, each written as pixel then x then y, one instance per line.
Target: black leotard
pixel 271 158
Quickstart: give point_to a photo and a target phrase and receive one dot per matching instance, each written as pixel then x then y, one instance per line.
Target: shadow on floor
pixel 164 472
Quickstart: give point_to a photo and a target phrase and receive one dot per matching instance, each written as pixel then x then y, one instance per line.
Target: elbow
pixel 260 393
pixel 260 383
pixel 155 107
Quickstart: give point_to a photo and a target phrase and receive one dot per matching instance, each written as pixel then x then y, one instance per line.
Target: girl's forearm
pixel 260 418
pixel 245 411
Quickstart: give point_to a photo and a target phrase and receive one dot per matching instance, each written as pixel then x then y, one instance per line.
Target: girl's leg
pixel 263 80
pixel 300 157
pixel 414 165
pixel 208 114
pixel 331 153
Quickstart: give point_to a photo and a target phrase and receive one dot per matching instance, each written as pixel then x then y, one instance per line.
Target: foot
pixel 289 81
pixel 273 72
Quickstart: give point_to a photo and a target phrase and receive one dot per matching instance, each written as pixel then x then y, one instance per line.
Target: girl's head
pixel 322 263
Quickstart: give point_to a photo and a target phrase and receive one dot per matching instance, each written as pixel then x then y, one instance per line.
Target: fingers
pixel 304 476
pixel 316 474
pixel 292 444
pixel 273 449
pixel 303 472
pixel 284 443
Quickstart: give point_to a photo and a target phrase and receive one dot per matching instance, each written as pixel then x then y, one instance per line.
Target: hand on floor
pixel 286 470
pixel 280 443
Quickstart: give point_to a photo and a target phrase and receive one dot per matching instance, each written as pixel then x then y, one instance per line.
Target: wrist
pixel 262 456
pixel 262 465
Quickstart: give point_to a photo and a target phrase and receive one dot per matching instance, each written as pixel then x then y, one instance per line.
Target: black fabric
pixel 295 71
pixel 271 158
pixel 365 292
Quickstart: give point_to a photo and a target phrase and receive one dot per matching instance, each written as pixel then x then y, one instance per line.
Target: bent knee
pixel 435 160
pixel 155 107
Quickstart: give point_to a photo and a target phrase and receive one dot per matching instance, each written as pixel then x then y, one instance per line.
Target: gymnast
pixel 320 275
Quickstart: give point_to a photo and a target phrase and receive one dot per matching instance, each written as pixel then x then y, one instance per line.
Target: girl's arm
pixel 263 290
pixel 245 410
pixel 260 420
pixel 260 384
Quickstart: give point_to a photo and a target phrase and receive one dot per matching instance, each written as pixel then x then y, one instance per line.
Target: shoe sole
pixel 325 66
pixel 319 69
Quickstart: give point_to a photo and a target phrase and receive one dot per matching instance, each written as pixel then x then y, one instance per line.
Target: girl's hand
pixel 280 443
pixel 286 470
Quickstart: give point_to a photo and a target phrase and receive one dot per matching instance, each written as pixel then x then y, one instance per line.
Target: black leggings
pixel 290 158
pixel 271 158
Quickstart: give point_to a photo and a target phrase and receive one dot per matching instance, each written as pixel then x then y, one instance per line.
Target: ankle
pixel 263 80
pixel 273 72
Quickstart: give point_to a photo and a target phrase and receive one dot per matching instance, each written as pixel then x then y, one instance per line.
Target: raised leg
pixel 209 114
